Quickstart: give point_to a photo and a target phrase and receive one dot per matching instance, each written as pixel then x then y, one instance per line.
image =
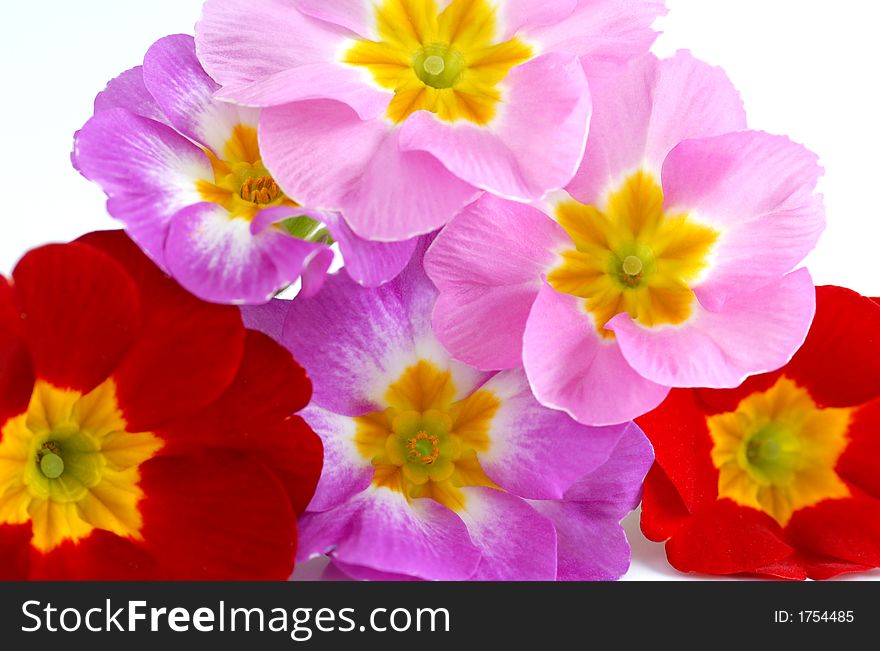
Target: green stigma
pixel 51 465
pixel 438 65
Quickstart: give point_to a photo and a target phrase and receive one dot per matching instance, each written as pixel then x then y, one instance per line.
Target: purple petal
pixel 128 91
pixel 381 530
pixel 536 452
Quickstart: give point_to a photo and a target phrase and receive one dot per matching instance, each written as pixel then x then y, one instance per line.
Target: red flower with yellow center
pixel 781 476
pixel 144 434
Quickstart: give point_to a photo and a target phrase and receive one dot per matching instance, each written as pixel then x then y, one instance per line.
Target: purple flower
pixel 184 173
pixel 435 470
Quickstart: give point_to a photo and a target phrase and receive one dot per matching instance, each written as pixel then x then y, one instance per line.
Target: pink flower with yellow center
pixel 185 173
pixel 399 112
pixel 667 263
pixel 435 470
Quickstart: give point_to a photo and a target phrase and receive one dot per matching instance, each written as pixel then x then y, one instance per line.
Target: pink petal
pixel 354 15
pixel 572 369
pixel 604 33
pixel 243 42
pixel 535 144
pixel 536 452
pixel 516 542
pixel 323 154
pixel 174 76
pixel 487 264
pixel 530 15
pixel 641 113
pixel 753 332
pixel 758 190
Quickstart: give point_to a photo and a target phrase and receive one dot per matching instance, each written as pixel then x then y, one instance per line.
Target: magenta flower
pixel 399 112
pixel 667 265
pixel 184 173
pixel 435 470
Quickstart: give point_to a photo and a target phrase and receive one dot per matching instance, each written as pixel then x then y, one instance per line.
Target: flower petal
pixel 572 369
pixel 83 314
pixel 487 264
pixel 219 259
pixel 189 351
pixel 519 15
pixel 517 543
pixel 102 556
pixel 217 515
pixel 727 539
pixel 839 362
pixel 380 529
pixel 369 336
pixel 615 487
pixel 681 440
pixel 148 171
pixel 534 146
pixel 757 189
pixel 346 471
pixel 536 452
pixel 323 154
pixel 643 111
pixel 240 43
pixel 860 462
pixel 267 318
pixel 127 91
pixel 663 511
pixel 847 529
pixel 369 263
pixel 15 551
pixel 753 332
pixel 174 76
pixel 354 15
pixel 604 33
pixel 591 546
pixel 16 367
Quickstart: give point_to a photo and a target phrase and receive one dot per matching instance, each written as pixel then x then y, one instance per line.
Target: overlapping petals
pixel 434 102
pixel 145 434
pixel 666 264
pixel 184 173
pixel 435 470
pixel 802 500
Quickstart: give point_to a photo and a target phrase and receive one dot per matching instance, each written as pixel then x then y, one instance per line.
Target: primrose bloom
pixel 399 112
pixel 185 174
pixel 665 265
pixel 781 476
pixel 144 434
pixel 435 470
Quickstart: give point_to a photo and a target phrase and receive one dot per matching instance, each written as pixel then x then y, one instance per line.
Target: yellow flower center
pixel 449 62
pixel 778 451
pixel 632 257
pixel 68 466
pixel 425 444
pixel 241 182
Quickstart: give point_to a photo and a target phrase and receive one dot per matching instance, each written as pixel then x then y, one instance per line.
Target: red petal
pixel 253 416
pixel 860 462
pixel 823 567
pixel 663 512
pixel 217 516
pixel 81 313
pixel 102 556
pixel 847 529
pixel 840 361
pixel 788 568
pixel 15 545
pixel 727 539
pixel 190 350
pixel 719 401
pixel 678 431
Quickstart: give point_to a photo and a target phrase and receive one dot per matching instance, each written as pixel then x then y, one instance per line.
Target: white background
pixel 806 68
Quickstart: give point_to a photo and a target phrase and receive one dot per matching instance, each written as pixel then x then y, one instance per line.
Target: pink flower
pixel 399 113
pixel 667 265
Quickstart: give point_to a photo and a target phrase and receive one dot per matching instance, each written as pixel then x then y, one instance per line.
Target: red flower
pixel 144 434
pixel 781 476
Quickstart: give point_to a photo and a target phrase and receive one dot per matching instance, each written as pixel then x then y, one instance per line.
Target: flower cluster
pixel 550 241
